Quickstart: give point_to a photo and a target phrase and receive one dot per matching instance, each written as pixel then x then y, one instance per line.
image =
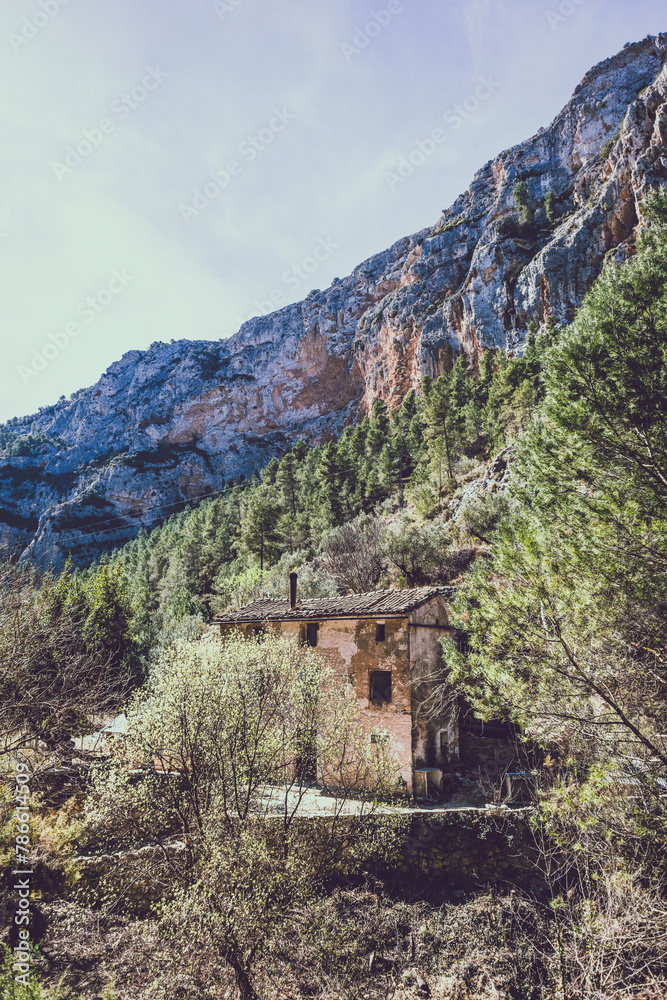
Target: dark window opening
pixel 379 632
pixel 380 687
pixel 381 738
pixel 461 639
pixel 311 633
pixel 494 729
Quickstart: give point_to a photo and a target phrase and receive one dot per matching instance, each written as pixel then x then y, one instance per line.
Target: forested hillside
pixel 522 244
pixel 389 484
pixel 538 484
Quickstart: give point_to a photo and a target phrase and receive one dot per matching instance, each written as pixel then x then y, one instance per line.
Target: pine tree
pixel 330 477
pixel 568 619
pixel 270 471
pixel 442 419
pixel 486 370
pixel 379 429
pixel 260 529
pixel 462 384
pixel 287 482
pixel 389 471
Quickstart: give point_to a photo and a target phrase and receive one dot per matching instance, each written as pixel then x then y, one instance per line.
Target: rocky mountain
pixel 170 424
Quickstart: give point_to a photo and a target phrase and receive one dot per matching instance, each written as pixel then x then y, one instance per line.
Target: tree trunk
pixel 246 989
pixel 449 461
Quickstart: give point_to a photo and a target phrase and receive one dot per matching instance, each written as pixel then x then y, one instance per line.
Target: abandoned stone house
pixel 386 643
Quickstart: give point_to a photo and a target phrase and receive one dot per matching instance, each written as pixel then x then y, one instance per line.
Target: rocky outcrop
pixel 168 425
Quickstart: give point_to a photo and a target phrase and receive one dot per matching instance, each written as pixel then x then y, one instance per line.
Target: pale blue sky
pixel 312 102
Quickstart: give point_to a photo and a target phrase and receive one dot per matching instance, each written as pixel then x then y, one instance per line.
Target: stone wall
pixel 129 881
pixel 484 844
pixel 452 847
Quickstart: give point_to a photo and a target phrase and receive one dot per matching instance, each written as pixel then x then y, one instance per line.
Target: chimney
pixel 292 589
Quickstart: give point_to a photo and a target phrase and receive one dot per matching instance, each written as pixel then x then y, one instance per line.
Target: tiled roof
pixel 377 604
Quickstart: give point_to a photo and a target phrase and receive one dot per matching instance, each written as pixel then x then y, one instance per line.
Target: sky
pixel 171 168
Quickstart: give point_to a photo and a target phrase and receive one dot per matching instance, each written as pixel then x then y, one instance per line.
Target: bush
pixel 550 208
pixel 352 554
pixel 420 551
pixel 609 145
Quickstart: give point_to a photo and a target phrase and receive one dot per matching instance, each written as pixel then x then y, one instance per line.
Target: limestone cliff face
pixel 171 424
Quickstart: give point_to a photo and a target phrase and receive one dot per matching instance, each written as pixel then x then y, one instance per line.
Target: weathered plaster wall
pixel 435 734
pixel 349 645
pixel 413 656
pixel 351 648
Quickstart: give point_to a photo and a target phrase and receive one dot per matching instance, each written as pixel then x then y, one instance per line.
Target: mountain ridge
pixel 169 424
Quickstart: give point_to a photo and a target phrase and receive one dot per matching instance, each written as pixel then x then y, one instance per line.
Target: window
pixel 311 633
pixel 381 738
pixel 380 687
pixel 379 632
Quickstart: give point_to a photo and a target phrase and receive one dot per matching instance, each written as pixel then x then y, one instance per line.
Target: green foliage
pixel 259 533
pixel 568 621
pixel 99 604
pixel 13 989
pixel 550 207
pixel 67 654
pixel 609 145
pixel 226 550
pixel 448 226
pixel 13 445
pixel 522 201
pixel 222 551
pixel 219 732
pixel 421 553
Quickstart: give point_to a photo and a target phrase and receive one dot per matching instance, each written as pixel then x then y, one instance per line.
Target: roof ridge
pixel 390 601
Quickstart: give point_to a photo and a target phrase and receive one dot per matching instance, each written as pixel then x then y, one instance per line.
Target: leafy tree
pixel 568 620
pixel 65 659
pixel 221 726
pixel 420 552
